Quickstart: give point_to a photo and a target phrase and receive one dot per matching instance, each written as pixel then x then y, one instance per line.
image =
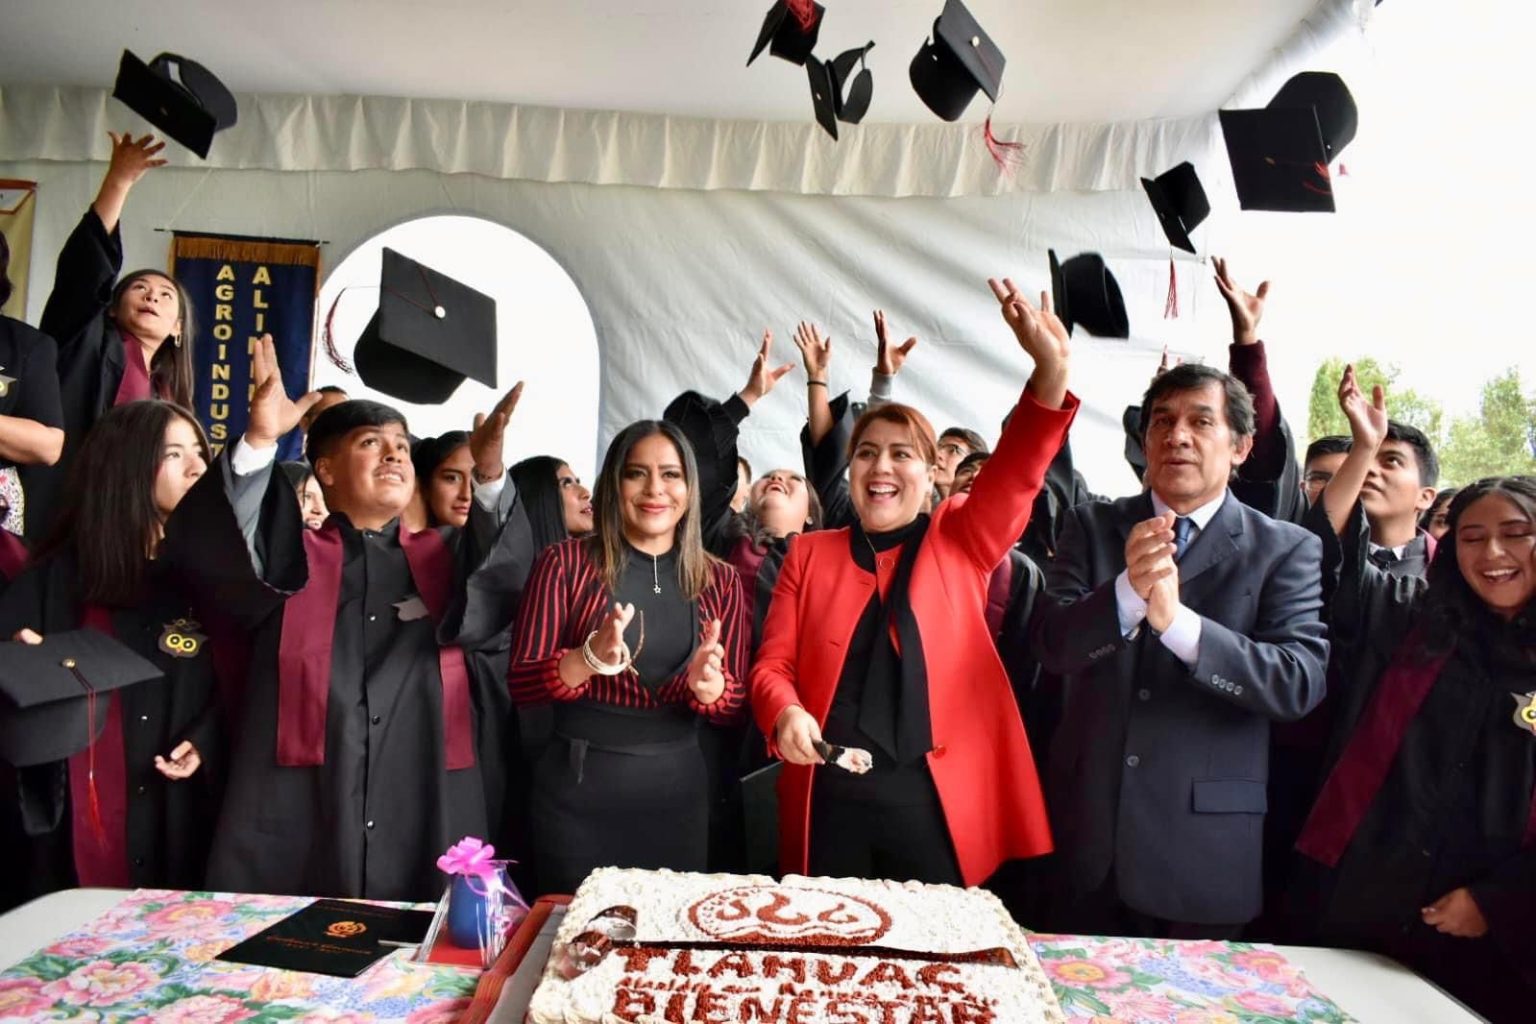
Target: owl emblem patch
pixel 1525 711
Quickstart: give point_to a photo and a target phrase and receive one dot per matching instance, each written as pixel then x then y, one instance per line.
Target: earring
pixel 176 340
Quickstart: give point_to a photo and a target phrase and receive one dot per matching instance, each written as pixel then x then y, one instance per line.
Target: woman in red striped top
pixel 639 638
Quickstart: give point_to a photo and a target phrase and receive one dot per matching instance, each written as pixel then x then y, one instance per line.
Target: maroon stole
pixel 13 555
pixel 1351 787
pixel 135 385
pixel 98 788
pixel 309 631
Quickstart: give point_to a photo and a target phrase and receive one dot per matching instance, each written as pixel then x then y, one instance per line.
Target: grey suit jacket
pixel 1158 771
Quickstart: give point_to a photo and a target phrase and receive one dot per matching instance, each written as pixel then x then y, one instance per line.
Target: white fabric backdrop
pixel 726 228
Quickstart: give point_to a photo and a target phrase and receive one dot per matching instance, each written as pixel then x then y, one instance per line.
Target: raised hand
pixel 1041 334
pixel 485 440
pixel 132 158
pixel 796 735
pixel 1149 551
pixel 889 358
pixel 1456 913
pixel 815 351
pixel 706 672
pixel 1246 308
pixel 1367 419
pixel 1166 363
pixel 763 377
pixel 608 646
pixel 182 764
pixel 273 413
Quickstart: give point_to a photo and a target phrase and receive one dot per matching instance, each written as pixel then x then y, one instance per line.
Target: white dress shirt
pixel 1182 637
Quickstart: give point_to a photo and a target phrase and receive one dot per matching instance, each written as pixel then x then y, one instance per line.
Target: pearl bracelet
pixel 602 668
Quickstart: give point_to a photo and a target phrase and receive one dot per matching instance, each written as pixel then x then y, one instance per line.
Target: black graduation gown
pixel 29 357
pixel 90 359
pixel 170 823
pixel 1454 807
pixel 372 820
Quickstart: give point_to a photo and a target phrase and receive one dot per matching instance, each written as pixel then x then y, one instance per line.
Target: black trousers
pixel 594 806
pixel 884 825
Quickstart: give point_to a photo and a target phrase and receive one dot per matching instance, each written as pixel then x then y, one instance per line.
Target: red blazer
pixel 980 759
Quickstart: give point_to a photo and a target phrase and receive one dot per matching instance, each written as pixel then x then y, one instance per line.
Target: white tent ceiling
pixel 1069 60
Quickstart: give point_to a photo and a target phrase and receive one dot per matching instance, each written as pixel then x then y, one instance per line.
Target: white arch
pixel 545 334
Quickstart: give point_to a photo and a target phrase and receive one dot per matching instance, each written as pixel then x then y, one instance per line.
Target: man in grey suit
pixel 1182 623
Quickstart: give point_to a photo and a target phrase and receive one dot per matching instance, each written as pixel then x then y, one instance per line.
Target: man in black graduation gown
pixel 352 766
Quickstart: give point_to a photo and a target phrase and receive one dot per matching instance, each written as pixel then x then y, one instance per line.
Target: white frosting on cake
pixel 841 953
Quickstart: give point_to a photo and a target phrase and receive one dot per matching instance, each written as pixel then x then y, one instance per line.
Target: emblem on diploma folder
pixel 5 383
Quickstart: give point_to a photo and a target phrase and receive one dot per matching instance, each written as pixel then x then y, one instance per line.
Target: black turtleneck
pixel 671 621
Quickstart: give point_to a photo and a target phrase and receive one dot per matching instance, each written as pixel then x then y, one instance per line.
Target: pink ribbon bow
pixel 470 856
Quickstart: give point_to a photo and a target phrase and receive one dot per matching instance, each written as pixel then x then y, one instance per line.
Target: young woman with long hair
pixel 637 635
pixel 153 774
pixel 121 338
pixel 1422 842
pixel 876 639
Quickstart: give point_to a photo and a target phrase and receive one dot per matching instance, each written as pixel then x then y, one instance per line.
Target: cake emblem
pixel 782 914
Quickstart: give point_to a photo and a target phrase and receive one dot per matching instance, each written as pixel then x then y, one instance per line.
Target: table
pixel 148 956
pixel 132 958
pixel 1102 980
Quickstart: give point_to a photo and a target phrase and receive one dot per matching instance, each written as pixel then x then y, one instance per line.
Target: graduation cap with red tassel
pixel 956 62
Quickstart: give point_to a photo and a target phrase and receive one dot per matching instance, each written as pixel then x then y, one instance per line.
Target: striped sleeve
pixel 735 636
pixel 539 637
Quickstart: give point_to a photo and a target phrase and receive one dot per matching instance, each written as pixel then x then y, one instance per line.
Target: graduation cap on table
pixel 1085 292
pixel 1180 203
pixel 956 62
pixel 832 94
pixel 46 692
pixel 1280 153
pixel 429 333
pixel 789 30
pixel 182 98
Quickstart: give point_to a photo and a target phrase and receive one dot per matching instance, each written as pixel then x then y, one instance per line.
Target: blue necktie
pixel 1183 533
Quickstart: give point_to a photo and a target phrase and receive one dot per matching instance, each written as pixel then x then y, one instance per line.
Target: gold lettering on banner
pixel 224 292
pixel 220 390
pixel 223 332
pixel 221 370
pixel 223 311
pixel 262 276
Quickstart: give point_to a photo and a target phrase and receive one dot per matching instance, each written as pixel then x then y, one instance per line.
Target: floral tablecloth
pixel 1159 981
pixel 150 960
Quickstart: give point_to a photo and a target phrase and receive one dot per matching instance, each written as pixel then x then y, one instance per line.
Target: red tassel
pixel 1007 155
pixel 98 827
pixel 804 12
pixel 1171 304
pixel 328 336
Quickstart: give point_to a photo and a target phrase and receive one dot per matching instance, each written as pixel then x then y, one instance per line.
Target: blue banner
pixel 242 288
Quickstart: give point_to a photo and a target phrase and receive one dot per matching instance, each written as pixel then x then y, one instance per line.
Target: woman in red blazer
pixel 877 639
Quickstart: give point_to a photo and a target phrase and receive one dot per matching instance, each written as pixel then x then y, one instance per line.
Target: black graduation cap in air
pixel 1085 292
pixel 789 38
pixel 45 689
pixel 1180 203
pixel 1280 153
pixel 430 332
pixel 834 98
pixel 958 61
pixel 180 97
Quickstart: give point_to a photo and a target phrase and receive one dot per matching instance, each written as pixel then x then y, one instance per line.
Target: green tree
pixel 1496 442
pixel 1324 417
